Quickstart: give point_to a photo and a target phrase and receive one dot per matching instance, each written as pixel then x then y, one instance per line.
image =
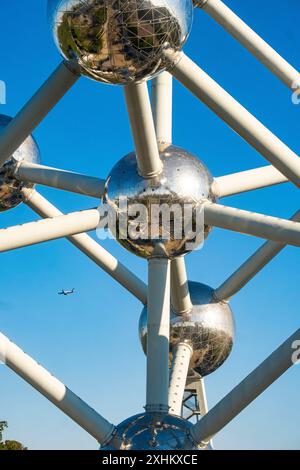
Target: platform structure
pixel 194 403
pixel 183 344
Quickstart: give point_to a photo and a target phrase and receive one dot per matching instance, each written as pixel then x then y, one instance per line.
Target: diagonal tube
pixel 57 85
pixel 55 391
pixel 246 391
pixel 248 180
pixel 60 179
pixel 251 223
pixel 251 41
pixel 41 231
pixel 251 267
pixel 180 295
pixel 143 130
pixel 92 249
pixel 235 115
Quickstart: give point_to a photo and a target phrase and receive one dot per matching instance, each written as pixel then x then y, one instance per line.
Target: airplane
pixel 66 292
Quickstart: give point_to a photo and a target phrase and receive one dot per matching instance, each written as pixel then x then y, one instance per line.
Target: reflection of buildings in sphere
pixel 208 328
pixel 148 431
pixel 120 41
pixel 10 187
pixel 179 191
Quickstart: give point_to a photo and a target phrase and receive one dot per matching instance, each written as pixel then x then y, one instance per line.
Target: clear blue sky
pixel 90 340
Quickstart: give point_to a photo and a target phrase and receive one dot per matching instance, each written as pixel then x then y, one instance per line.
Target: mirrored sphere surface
pixel 208 328
pixel 152 432
pixel 119 41
pixel 183 185
pixel 10 187
pixel 199 3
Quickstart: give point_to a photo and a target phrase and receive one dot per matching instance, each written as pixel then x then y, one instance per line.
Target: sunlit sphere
pixel 119 41
pixel 181 188
pixel 208 328
pixel 10 188
pixel 148 431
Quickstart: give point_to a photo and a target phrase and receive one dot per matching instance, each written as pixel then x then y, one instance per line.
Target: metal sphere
pixel 148 431
pixel 183 183
pixel 119 41
pixel 199 3
pixel 208 328
pixel 10 187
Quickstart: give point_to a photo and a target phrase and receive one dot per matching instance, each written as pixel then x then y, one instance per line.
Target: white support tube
pixel 248 180
pixel 14 134
pixel 158 335
pixel 247 390
pixel 235 115
pixel 252 41
pixel 41 231
pixel 180 295
pixel 251 223
pixel 143 130
pixel 55 391
pixel 92 249
pixel 203 407
pixel 60 179
pixel 250 268
pixel 180 368
pixel 162 106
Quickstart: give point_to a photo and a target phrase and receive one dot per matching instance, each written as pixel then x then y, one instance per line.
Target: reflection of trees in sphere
pixel 10 187
pixel 154 432
pixel 119 41
pixel 182 185
pixel 208 328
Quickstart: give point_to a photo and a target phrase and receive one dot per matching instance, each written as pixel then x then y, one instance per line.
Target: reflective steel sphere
pixel 119 41
pixel 182 185
pixel 154 432
pixel 10 187
pixel 208 328
pixel 199 3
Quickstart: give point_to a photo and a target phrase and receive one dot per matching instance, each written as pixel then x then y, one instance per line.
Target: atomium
pixel 127 42
pixel 10 187
pixel 119 41
pixel 147 431
pixel 183 185
pixel 208 328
